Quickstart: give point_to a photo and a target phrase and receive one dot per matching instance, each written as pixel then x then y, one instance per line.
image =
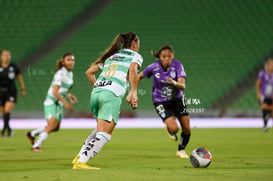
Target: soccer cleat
pixel 75 160
pixel 37 149
pixel 10 133
pixel 172 136
pixel 3 133
pixel 83 166
pixel 31 138
pixel 181 154
pixel 265 129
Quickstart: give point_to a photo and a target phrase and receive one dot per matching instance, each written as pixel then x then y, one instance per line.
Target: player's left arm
pixel 73 99
pixel 90 73
pixel 180 83
pixel 21 84
pixel 132 95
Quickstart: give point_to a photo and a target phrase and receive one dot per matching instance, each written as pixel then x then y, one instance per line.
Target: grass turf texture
pixel 141 154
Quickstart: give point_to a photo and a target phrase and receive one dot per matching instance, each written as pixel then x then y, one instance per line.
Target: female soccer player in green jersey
pixel 55 100
pixel 118 61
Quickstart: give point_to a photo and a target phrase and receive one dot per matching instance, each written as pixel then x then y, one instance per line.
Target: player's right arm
pixel 60 97
pixel 90 73
pixel 258 87
pixel 133 78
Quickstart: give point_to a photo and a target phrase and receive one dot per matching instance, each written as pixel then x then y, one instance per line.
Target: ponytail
pixel 156 54
pixel 59 62
pixel 120 41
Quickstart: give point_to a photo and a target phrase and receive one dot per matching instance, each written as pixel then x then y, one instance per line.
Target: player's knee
pixel 173 128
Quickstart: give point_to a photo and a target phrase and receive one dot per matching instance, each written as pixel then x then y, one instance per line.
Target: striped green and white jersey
pixel 115 70
pixel 62 78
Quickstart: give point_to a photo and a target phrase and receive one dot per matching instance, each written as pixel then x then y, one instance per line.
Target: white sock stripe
pixel 106 136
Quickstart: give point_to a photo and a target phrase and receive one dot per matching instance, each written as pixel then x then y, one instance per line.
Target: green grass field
pixel 141 154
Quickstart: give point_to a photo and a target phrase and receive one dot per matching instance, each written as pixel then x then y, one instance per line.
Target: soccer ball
pixel 200 158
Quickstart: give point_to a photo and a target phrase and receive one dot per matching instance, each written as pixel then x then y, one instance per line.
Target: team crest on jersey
pixel 11 69
pixel 11 75
pixel 157 75
pixel 173 74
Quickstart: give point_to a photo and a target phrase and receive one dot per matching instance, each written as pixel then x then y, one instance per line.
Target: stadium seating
pixel 247 103
pixel 27 24
pixel 217 41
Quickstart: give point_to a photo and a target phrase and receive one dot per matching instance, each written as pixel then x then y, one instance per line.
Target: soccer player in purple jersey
pixel 168 85
pixel 264 88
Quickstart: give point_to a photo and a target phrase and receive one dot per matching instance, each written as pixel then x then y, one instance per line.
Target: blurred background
pixel 222 45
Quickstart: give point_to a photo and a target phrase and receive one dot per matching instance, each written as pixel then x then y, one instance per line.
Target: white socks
pixel 41 138
pixel 92 135
pixel 37 131
pixel 94 146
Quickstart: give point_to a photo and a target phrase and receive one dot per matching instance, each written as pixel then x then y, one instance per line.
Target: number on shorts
pixel 160 108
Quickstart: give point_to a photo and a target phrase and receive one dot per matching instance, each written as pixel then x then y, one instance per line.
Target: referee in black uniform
pixel 8 92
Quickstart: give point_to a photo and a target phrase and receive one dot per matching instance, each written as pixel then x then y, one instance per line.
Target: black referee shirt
pixel 8 76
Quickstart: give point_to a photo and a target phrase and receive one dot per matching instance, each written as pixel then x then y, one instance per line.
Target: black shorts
pixel 7 96
pixel 267 101
pixel 175 107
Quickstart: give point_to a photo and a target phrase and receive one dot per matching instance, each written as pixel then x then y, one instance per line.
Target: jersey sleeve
pixel 138 59
pixel 261 74
pixel 16 69
pixel 148 71
pixel 180 71
pixel 58 78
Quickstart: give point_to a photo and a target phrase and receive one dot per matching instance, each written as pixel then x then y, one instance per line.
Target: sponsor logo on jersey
pixel 1 69
pixel 102 83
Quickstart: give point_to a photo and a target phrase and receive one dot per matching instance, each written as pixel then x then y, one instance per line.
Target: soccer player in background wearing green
pixel 55 100
pixel 118 62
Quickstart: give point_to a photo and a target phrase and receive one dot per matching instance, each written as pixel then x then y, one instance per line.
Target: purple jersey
pixel 266 88
pixel 162 89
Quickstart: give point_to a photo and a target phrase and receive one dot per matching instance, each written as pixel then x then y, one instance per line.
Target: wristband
pixel 174 82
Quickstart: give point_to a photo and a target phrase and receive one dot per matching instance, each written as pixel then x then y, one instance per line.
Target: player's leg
pixel 54 115
pixel 2 113
pixel 185 136
pixel 103 136
pixel 91 136
pixel 266 108
pixel 7 111
pixel 182 114
pixel 37 131
pixel 165 112
pixel 106 109
pixel 172 128
pixel 52 124
pixel 266 116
